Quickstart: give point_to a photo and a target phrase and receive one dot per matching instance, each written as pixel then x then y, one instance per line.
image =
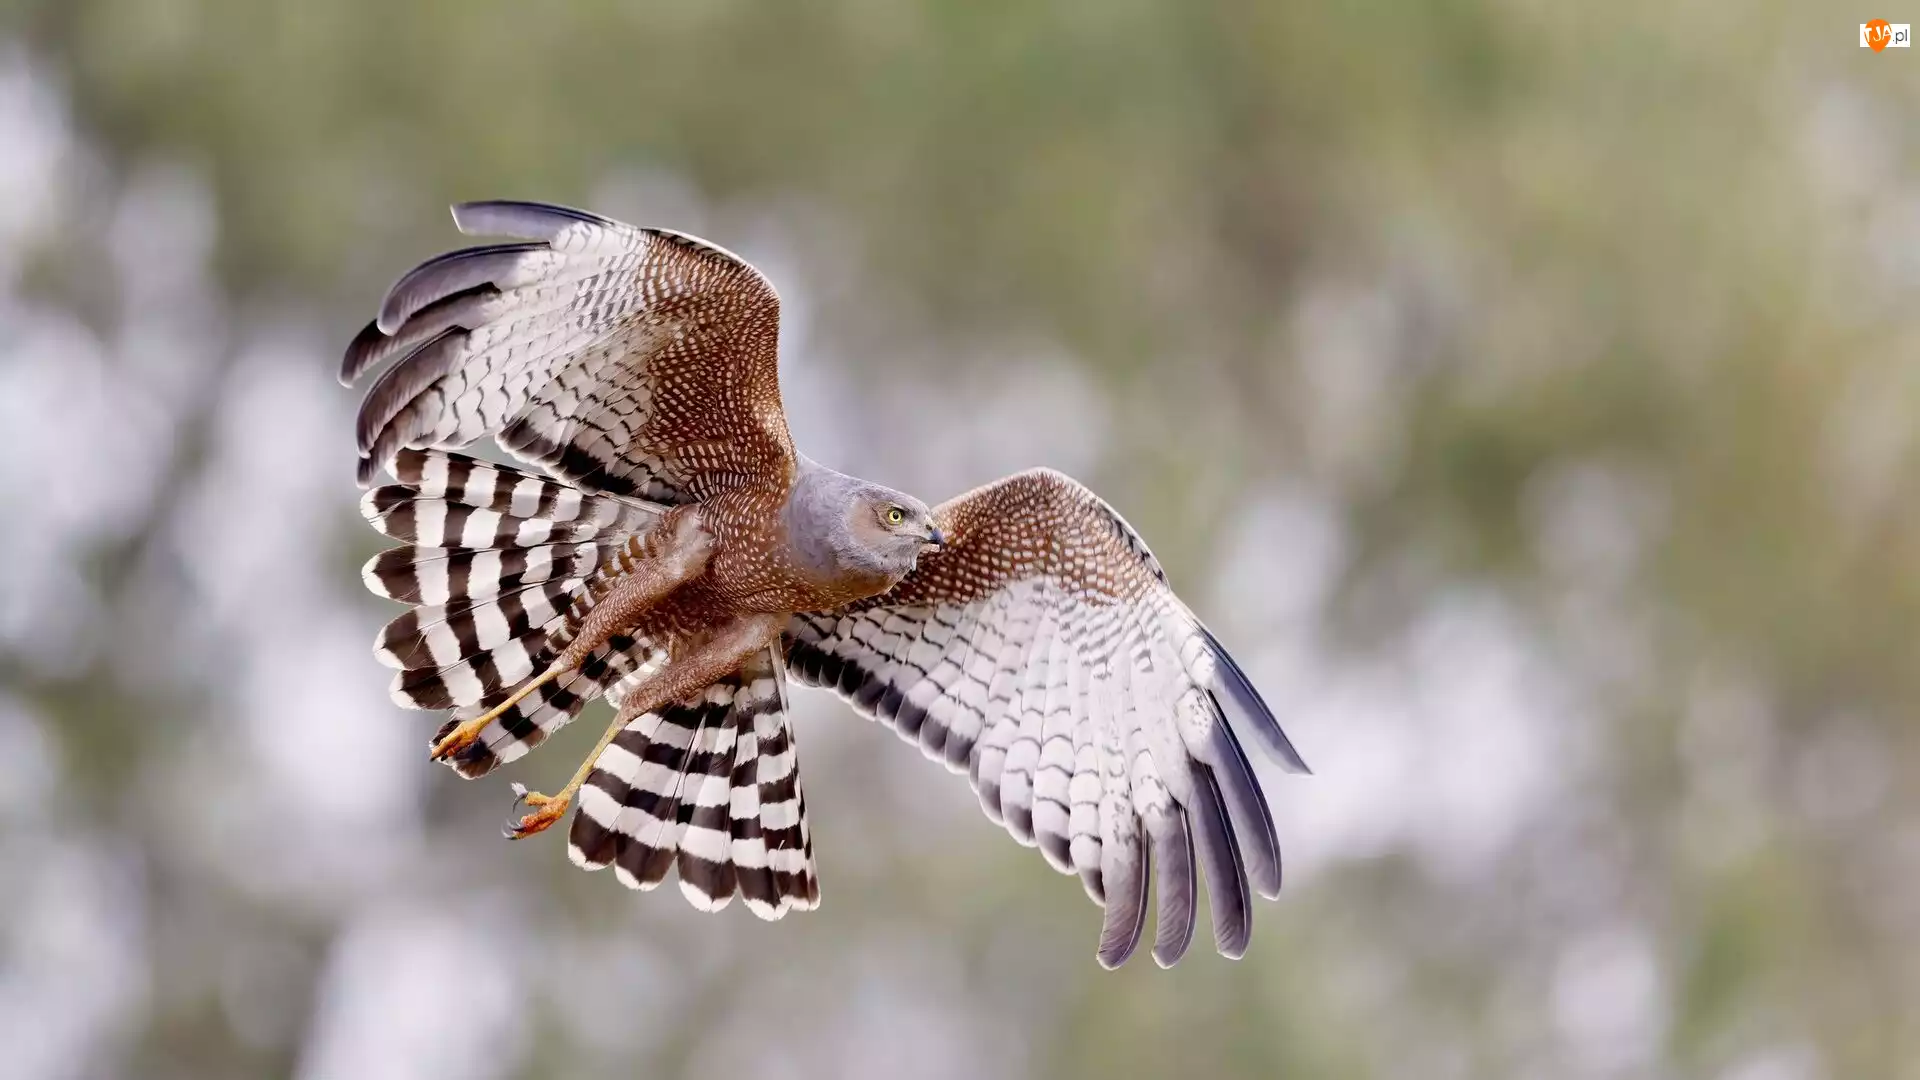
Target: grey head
pixel 853 533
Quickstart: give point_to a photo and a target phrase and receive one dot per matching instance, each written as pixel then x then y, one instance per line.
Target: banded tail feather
pixel 710 787
pixel 502 567
pixel 435 575
pixel 551 706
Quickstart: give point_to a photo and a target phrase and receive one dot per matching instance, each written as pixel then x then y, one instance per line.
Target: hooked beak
pixel 936 537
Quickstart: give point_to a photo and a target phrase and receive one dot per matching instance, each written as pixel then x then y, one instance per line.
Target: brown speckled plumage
pixel 687 560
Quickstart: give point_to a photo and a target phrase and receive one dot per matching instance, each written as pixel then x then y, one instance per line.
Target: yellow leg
pixel 464 735
pixel 548 809
pixel 686 674
pixel 659 562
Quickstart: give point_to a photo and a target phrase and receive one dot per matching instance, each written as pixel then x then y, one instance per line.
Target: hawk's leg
pixel 648 568
pixel 682 677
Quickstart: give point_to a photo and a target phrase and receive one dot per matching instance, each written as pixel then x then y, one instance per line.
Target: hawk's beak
pixel 936 537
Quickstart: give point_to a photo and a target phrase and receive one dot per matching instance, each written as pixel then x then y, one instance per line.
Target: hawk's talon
pixel 469 731
pixel 453 743
pixel 547 809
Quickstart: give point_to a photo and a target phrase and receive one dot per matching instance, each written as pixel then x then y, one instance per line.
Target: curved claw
pixel 514 817
pixel 547 810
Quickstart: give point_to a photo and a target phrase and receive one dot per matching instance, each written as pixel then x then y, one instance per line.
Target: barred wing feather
pixel 626 360
pixel 1043 654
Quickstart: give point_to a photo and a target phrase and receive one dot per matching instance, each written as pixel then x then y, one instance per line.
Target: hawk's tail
pixel 497 566
pixel 711 786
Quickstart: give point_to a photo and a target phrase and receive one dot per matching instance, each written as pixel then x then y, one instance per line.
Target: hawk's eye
pixel 895 515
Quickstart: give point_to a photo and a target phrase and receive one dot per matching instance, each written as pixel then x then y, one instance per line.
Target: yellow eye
pixel 895 515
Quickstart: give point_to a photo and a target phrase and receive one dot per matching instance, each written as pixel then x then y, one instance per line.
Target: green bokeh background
pixel 1597 318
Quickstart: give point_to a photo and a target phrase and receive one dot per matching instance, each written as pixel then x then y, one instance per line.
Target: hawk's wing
pixel 633 361
pixel 1043 653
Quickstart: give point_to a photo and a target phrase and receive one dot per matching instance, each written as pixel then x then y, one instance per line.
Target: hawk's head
pixel 891 529
pixel 859 537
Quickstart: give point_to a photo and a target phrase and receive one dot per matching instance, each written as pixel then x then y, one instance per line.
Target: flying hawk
pixel 681 557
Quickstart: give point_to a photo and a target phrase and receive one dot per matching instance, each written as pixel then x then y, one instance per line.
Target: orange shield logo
pixel 1878 34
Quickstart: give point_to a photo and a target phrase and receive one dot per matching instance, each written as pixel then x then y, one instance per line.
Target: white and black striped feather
pixel 709 788
pixel 1097 719
pixel 496 572
pixel 631 361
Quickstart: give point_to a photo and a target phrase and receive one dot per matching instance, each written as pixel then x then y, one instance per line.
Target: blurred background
pixel 1525 392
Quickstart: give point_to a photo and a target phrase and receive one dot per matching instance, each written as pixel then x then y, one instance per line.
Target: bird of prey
pixel 679 556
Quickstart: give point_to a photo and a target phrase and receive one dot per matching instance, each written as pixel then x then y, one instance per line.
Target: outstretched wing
pixel 1043 653
pixel 626 360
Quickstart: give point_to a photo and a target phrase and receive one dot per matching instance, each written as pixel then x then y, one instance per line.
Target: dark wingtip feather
pixel 1247 702
pixel 445 275
pixel 463 310
pixel 1228 895
pixel 515 217
pixel 400 384
pixel 361 352
pixel 1176 894
pixel 1247 805
pixel 1126 917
